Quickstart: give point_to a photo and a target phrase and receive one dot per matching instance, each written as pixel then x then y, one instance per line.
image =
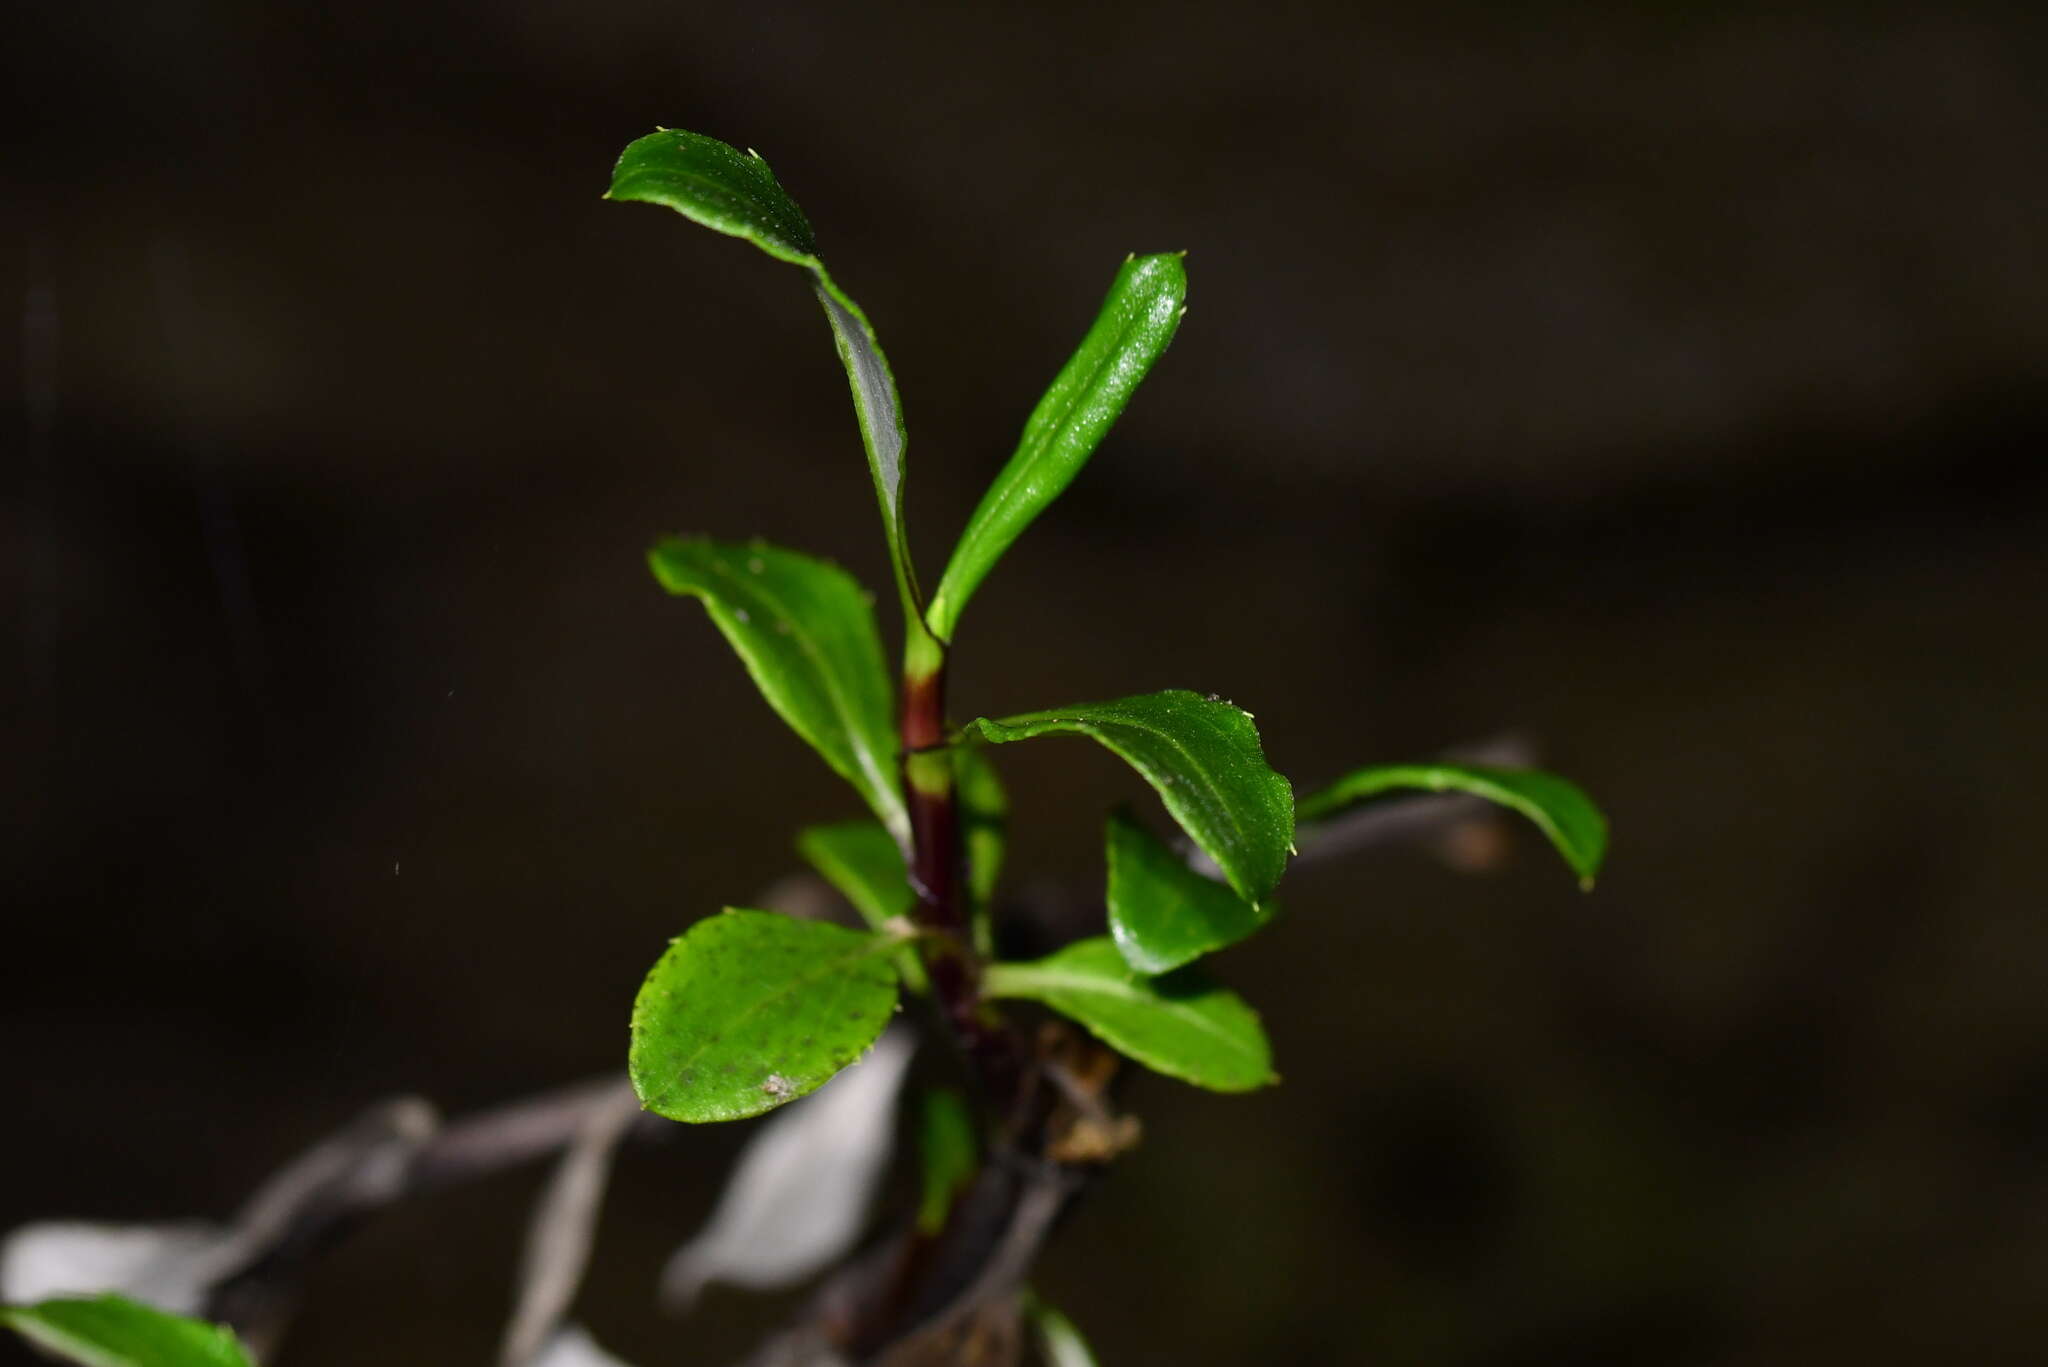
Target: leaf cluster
pixel 749 1010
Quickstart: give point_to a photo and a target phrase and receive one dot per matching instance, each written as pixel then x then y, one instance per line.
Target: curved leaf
pixel 1203 756
pixel 1560 809
pixel 734 192
pixel 717 185
pixel 1138 318
pixel 1182 1025
pixel 749 1010
pixel 1163 914
pixel 807 634
pixel 113 1331
pixel 863 861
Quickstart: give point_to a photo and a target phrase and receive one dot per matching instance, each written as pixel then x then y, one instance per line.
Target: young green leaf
pixel 1163 914
pixel 734 192
pixel 751 1009
pixel 984 831
pixel 807 634
pixel 1203 756
pixel 719 186
pixel 862 860
pixel 1560 809
pixel 113 1331
pixel 1182 1025
pixel 1138 319
pixel 950 1152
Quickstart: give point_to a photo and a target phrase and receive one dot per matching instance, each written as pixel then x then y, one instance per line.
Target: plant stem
pixel 992 1052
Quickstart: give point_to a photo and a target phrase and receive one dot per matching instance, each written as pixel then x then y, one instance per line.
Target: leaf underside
pixel 113 1331
pixel 1558 807
pixel 1202 755
pixel 806 633
pixel 1163 914
pixel 751 1009
pixel 1183 1024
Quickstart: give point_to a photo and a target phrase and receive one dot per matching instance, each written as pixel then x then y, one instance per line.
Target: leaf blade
pixel 718 186
pixel 1559 808
pixel 113 1331
pixel 750 1009
pixel 984 834
pixel 806 633
pixel 1163 914
pixel 1182 1025
pixel 864 862
pixel 1202 755
pixel 1060 1343
pixel 1137 320
pixel 949 1152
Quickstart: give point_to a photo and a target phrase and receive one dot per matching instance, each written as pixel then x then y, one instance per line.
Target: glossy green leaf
pixel 1163 914
pixel 1182 1025
pixel 1059 1343
pixel 950 1152
pixel 113 1331
pixel 751 1009
pixel 1138 318
pixel 719 186
pixel 984 830
pixel 734 192
pixel 807 634
pixel 864 862
pixel 1203 756
pixel 1560 809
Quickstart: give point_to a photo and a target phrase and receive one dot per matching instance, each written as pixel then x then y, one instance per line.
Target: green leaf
pixel 1163 914
pixel 1560 809
pixel 951 1153
pixel 862 860
pixel 984 830
pixel 1059 1343
pixel 751 1009
pixel 807 634
pixel 1203 756
pixel 1182 1025
pixel 719 186
pixel 1138 319
pixel 113 1331
pixel 734 192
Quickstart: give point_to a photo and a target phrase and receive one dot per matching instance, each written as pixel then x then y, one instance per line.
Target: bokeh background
pixel 1663 383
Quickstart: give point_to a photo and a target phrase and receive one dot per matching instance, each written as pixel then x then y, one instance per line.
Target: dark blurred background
pixel 1663 383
